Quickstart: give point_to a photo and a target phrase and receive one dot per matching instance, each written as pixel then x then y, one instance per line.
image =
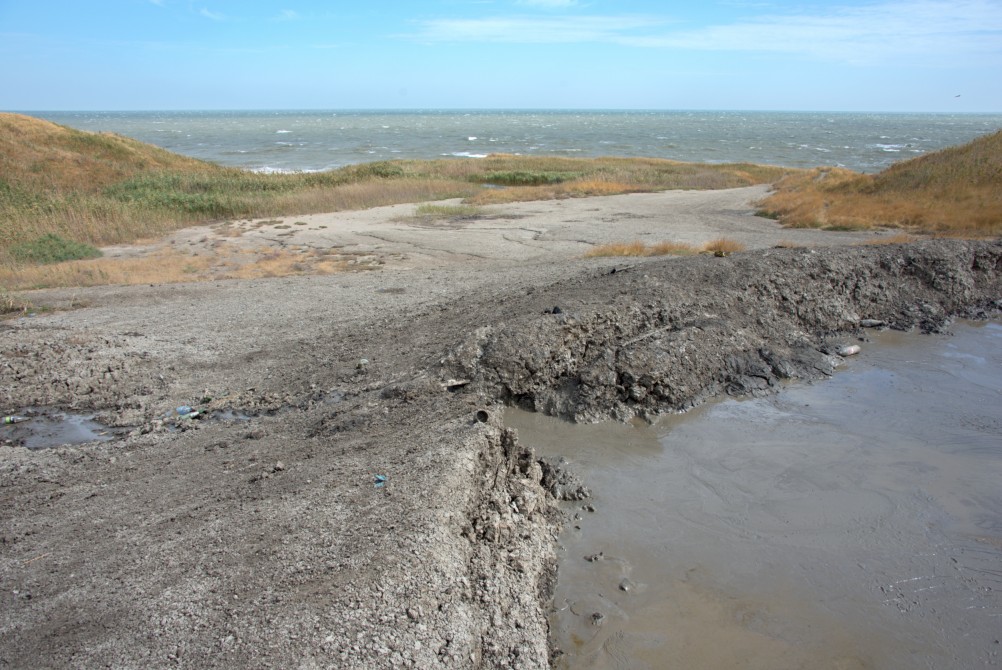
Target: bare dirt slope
pixel 256 536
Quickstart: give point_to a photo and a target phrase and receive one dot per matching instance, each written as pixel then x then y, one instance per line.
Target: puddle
pixel 853 523
pixel 46 429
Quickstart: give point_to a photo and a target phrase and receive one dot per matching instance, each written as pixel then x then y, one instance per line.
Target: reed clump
pixel 956 191
pixel 11 304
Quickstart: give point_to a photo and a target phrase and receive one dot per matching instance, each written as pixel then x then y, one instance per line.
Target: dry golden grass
pixel 170 266
pixel 900 238
pixel 723 245
pixel 638 248
pixel 617 249
pixel 671 249
pixel 957 191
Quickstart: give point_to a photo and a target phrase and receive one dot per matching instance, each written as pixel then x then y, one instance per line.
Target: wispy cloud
pixel 855 34
pixel 158 3
pixel 540 30
pixel 933 29
pixel 288 15
pixel 548 4
pixel 209 14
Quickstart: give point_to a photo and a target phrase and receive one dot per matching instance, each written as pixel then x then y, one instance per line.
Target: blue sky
pixel 884 55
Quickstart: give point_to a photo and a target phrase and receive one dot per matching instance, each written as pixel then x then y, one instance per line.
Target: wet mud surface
pixel 854 523
pixel 261 540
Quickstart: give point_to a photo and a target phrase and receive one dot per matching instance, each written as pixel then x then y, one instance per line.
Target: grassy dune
pixel 101 188
pixel 956 191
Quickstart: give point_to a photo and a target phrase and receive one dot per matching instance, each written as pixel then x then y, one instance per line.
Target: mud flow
pixel 852 523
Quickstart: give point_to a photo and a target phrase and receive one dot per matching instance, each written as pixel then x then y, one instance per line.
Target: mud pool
pixel 53 428
pixel 853 523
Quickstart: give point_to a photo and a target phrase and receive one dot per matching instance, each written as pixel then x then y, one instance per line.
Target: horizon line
pixel 620 110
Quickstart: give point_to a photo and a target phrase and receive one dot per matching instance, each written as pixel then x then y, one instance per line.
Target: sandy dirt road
pixel 397 237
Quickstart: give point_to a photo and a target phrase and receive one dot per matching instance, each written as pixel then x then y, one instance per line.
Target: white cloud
pixel 209 14
pixel 933 29
pixel 288 15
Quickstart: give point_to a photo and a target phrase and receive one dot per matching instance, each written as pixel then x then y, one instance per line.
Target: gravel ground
pixel 348 496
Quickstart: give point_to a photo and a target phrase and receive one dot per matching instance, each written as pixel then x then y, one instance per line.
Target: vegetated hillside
pixel 957 191
pixel 40 155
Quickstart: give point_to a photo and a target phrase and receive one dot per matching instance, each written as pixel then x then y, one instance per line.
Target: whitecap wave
pixel 267 169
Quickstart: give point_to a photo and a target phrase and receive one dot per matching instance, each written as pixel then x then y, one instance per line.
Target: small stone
pixel 592 558
pixel 626 586
pixel 413 614
pixel 279 466
pixel 589 508
pixel 597 619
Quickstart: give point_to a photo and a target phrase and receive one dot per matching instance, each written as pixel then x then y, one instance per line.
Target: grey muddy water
pixel 852 523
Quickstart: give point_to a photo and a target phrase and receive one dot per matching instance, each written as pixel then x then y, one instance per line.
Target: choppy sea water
pixel 279 141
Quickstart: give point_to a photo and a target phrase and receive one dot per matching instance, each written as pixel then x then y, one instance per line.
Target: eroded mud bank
pixel 673 334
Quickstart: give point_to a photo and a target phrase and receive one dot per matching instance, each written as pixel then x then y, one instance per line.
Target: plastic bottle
pixel 14 419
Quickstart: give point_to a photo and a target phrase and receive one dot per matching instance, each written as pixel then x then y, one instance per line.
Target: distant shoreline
pixel 317 140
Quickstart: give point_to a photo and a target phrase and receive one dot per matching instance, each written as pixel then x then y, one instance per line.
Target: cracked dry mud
pixel 257 536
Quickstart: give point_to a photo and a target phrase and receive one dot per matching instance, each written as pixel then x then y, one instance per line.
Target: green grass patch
pixel 51 248
pixel 525 178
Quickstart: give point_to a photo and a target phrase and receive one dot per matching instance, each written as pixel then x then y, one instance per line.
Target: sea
pixel 296 141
